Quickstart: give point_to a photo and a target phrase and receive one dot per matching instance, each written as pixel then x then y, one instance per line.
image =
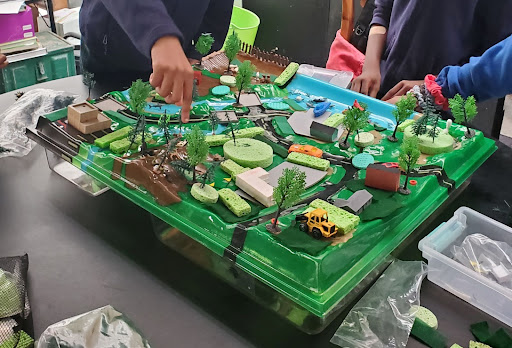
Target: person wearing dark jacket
pixel 150 39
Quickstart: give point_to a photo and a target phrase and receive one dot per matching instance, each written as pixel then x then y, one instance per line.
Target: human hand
pixel 401 88
pixel 3 61
pixel 172 75
pixel 368 82
pixel 394 100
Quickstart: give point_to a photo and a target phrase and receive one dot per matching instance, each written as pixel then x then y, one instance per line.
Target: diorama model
pixel 307 202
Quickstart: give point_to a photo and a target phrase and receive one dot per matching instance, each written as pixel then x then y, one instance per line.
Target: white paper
pixel 12 6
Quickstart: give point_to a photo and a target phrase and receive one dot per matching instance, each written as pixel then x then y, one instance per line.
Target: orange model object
pixel 306 149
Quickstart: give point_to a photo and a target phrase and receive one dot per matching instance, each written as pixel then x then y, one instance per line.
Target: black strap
pixel 237 243
pixel 442 177
pixel 362 26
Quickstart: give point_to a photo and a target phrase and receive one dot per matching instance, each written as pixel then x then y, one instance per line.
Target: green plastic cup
pixel 245 23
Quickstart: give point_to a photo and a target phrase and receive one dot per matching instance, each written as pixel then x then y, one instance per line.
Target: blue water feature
pixel 90 157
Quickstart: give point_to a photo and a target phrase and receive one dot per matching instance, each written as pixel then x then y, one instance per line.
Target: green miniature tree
pixel 433 132
pixel 232 47
pixel 404 109
pixel 163 125
pixel 139 132
pixel 464 110
pixel 197 149
pixel 354 120
pixel 290 186
pixel 204 45
pixel 181 166
pixel 407 158
pixel 213 119
pixel 89 81
pixel 234 127
pixel 209 175
pixel 138 93
pixel 171 146
pixel 243 78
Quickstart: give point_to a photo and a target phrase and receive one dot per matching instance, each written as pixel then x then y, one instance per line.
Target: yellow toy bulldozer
pixel 317 224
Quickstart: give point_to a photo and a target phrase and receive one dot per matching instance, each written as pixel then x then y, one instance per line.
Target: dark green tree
pixel 354 120
pixel 407 158
pixel 138 93
pixel 139 132
pixel 243 78
pixel 213 119
pixel 290 186
pixel 233 127
pixel 433 132
pixel 464 110
pixel 204 44
pixel 232 47
pixel 181 166
pixel 209 175
pixel 89 81
pixel 404 109
pixel 169 148
pixel 163 124
pixel 197 149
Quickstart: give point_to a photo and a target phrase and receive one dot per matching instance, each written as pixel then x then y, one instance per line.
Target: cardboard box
pixel 16 26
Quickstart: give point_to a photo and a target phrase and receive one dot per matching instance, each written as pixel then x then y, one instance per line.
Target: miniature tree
pixel 404 109
pixel 163 125
pixel 407 158
pixel 195 92
pixel 89 82
pixel 355 119
pixel 213 119
pixel 209 175
pixel 290 186
pixel 234 127
pixel 243 78
pixel 181 166
pixel 197 149
pixel 171 146
pixel 433 132
pixel 204 45
pixel 138 93
pixel 139 131
pixel 232 47
pixel 464 110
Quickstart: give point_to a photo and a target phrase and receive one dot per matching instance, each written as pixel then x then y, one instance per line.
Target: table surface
pixel 81 259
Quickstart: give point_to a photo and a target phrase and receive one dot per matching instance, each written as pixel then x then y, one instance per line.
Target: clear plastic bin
pixel 74 175
pixel 443 270
pixel 334 77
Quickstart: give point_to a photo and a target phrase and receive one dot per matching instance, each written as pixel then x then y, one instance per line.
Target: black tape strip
pixel 442 177
pixel 237 243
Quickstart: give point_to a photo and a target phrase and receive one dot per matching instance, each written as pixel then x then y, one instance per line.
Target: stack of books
pixel 22 49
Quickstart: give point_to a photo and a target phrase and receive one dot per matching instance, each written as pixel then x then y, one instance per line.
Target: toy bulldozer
pixel 317 224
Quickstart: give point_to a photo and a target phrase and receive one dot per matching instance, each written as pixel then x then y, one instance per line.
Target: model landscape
pixel 317 183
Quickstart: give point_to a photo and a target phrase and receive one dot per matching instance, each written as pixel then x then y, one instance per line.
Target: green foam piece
pixel 221 139
pixel 402 126
pixel 380 209
pixel 442 144
pixel 345 221
pixel 220 90
pixel 121 146
pixel 248 152
pixel 226 215
pixel 228 80
pixel 277 106
pixel 356 185
pixel 234 202
pixel 364 139
pixel 57 115
pixel 106 140
pixel 287 74
pixel 473 344
pixel 428 335
pixel 481 331
pixel 426 315
pixel 334 120
pixel 10 297
pixel 206 194
pixel 362 160
pixel 308 161
pixel 232 168
pixel 282 124
pixel 500 339
pixel 294 105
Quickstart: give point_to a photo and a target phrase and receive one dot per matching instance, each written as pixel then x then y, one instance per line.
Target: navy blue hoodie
pixel 117 35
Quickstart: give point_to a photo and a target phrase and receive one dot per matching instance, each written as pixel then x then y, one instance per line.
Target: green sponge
pixel 428 335
pixel 232 168
pixel 106 140
pixel 473 344
pixel 234 202
pixel 427 317
pixel 345 221
pixel 443 143
pixel 250 153
pixel 308 161
pixel 221 139
pixel 401 127
pixel 121 146
pixel 287 74
pixel 334 120
pixel 205 194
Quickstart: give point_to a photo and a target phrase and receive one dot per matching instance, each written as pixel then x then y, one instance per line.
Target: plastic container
pixel 245 23
pixel 74 175
pixel 443 270
pixel 338 78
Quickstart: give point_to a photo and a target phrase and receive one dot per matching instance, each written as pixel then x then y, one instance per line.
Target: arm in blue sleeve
pixel 485 77
pixel 382 12
pixel 144 21
pixel 216 22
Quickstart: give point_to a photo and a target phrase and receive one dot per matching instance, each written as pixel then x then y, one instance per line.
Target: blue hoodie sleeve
pixel 382 12
pixel 144 21
pixel 485 77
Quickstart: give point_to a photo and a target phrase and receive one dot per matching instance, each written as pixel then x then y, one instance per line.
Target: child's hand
pixel 368 82
pixel 3 61
pixel 401 88
pixel 172 75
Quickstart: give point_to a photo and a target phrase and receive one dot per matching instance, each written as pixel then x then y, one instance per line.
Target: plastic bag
pixel 383 318
pixel 490 258
pixel 100 328
pixel 23 114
